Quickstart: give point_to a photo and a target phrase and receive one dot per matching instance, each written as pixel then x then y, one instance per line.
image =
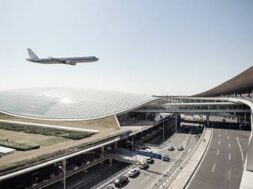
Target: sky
pixel 162 47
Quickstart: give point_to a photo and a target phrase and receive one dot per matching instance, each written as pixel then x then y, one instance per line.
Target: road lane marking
pixel 219 135
pixel 228 145
pixel 144 180
pixel 229 172
pixel 213 167
pixel 228 137
pixel 219 142
pixel 229 156
pixel 240 150
pixel 218 151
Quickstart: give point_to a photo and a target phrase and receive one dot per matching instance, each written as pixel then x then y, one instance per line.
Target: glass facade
pixel 68 103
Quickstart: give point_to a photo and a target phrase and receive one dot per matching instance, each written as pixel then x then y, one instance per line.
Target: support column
pixel 207 120
pixel 115 145
pixel 250 150
pixel 103 150
pixel 245 119
pixel 176 124
pixel 110 162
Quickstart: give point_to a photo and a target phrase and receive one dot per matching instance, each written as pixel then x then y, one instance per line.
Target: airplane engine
pixel 70 62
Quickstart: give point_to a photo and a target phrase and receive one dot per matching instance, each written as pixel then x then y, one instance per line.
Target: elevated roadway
pixel 222 166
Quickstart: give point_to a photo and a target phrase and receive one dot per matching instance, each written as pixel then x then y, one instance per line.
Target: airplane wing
pixel 57 60
pixel 63 61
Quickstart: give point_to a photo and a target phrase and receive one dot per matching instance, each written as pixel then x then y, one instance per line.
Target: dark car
pixel 166 158
pixel 171 148
pixel 121 181
pixel 150 160
pixel 180 148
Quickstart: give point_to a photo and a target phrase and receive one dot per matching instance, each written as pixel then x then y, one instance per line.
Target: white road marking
pixel 218 151
pixel 144 180
pixel 229 156
pixel 213 167
pixel 240 150
pixel 228 145
pixel 229 172
pixel 219 135
pixel 219 142
pixel 228 137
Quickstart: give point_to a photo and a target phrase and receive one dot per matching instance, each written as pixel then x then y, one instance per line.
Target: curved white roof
pixel 68 103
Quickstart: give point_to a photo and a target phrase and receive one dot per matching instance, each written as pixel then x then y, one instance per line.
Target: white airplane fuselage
pixel 63 60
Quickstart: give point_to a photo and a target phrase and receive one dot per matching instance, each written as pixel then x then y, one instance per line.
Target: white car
pixel 133 172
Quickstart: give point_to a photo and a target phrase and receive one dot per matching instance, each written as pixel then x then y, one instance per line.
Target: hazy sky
pixel 144 46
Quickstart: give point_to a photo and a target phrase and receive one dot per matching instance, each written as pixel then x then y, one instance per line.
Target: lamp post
pixel 163 130
pixel 64 179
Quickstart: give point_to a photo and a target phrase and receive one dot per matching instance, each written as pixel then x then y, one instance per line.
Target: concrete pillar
pixel 250 150
pixel 245 119
pixel 207 120
pixel 115 145
pixel 110 162
pixel 103 150
pixel 176 123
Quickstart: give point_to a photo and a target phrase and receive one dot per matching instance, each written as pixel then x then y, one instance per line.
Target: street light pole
pixel 163 130
pixel 64 179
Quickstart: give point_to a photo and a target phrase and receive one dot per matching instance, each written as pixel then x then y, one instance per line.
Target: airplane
pixel 63 60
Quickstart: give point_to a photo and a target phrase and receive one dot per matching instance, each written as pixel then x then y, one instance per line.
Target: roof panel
pixel 68 103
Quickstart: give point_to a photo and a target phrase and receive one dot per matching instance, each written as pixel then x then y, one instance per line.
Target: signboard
pixel 149 154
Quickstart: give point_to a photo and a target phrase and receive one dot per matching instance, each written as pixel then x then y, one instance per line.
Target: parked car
pixel 121 181
pixel 166 158
pixel 134 172
pixel 171 148
pixel 180 148
pixel 150 160
pixel 143 165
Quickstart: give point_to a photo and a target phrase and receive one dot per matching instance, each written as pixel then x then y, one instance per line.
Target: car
pixel 171 148
pixel 134 172
pixel 166 158
pixel 180 148
pixel 121 181
pixel 150 160
pixel 197 136
pixel 143 165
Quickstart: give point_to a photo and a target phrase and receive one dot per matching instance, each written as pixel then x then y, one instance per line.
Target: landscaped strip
pixel 75 135
pixel 18 146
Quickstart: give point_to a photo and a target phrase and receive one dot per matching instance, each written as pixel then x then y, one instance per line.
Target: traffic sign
pixel 149 154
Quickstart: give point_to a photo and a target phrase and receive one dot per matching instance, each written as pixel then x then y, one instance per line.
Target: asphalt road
pixel 222 165
pixel 147 177
pixel 94 175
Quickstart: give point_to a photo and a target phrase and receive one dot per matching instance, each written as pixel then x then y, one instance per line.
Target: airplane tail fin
pixel 32 55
